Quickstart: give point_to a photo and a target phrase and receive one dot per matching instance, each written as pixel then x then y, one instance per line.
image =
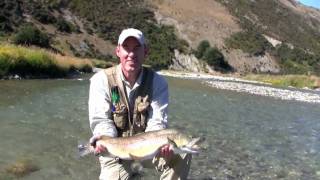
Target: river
pixel 246 136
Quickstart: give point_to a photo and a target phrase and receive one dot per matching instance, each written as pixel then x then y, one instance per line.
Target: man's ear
pixel 117 50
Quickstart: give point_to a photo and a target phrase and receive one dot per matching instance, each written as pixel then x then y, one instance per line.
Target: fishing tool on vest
pixel 115 98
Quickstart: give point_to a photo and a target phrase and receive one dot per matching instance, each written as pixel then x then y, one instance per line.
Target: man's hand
pixel 98 148
pixel 166 151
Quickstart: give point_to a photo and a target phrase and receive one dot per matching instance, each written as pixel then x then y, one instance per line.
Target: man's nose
pixel 131 54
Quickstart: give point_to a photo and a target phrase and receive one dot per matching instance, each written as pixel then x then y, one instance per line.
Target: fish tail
pixel 84 149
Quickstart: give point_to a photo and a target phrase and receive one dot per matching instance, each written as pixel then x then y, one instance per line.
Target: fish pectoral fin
pixel 178 151
pixel 133 157
pixel 171 143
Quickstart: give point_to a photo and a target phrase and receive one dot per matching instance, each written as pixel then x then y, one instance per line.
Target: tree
pixel 201 49
pixel 213 56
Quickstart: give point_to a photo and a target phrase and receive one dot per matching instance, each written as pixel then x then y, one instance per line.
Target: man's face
pixel 131 54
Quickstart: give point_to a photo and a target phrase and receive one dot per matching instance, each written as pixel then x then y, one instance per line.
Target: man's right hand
pixel 98 148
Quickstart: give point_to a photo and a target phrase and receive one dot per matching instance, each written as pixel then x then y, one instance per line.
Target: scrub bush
pixel 212 56
pixel 30 35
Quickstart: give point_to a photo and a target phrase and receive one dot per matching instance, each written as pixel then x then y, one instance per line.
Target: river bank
pixel 251 87
pixel 19 62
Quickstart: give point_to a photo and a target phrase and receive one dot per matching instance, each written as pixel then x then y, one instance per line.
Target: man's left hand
pixel 166 151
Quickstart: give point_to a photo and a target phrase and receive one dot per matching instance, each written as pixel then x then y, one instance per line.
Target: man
pixel 130 99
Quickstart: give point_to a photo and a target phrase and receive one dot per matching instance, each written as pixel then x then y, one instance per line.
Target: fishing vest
pixel 129 120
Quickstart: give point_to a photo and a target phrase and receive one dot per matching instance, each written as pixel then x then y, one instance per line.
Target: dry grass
pixel 68 61
pixel 299 81
pixel 198 20
pixel 35 62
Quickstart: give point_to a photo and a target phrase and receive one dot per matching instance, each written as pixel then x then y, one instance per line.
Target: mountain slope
pixel 210 20
pixel 275 36
pixel 275 21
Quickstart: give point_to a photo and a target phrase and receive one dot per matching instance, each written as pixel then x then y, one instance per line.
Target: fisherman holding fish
pixel 130 99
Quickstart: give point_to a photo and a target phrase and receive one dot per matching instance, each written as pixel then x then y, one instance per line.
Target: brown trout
pixel 145 145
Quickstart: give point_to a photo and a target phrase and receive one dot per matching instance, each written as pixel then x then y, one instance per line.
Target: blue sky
pixel 313 3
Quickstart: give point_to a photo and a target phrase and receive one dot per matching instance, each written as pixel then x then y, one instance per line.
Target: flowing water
pixel 247 136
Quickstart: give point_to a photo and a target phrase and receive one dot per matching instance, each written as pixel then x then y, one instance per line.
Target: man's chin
pixel 132 69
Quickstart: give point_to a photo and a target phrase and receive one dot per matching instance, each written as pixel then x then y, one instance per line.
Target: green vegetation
pixel 212 56
pixel 273 18
pixel 10 15
pixel 292 60
pixel 64 26
pixel 105 18
pixel 30 35
pixel 27 62
pixel 297 61
pixel 249 41
pixel 161 39
pixel 201 49
pixel 43 15
pixel 298 81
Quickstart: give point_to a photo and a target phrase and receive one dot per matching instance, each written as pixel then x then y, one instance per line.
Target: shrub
pixel 4 65
pixel 296 60
pixel 44 16
pixel 291 67
pixel 162 41
pixel 30 35
pixel 249 41
pixel 64 26
pixel 182 46
pixel 212 56
pixel 201 49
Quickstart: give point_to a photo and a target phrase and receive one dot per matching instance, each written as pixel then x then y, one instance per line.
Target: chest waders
pixel 130 119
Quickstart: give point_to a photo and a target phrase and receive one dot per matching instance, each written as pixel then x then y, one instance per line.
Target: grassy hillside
pixel 276 20
pixel 101 17
pixel 110 17
pixel 104 19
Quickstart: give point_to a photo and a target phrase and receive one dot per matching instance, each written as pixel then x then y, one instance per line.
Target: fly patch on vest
pixel 118 109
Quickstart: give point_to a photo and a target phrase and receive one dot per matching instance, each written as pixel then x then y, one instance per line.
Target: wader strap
pixel 146 87
pixel 143 98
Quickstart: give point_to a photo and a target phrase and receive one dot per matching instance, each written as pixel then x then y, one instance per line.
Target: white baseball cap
pixel 131 32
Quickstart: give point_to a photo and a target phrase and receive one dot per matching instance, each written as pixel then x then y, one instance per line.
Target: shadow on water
pixel 247 136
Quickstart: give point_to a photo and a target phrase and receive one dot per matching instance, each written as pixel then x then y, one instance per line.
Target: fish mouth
pixel 193 146
pixel 192 150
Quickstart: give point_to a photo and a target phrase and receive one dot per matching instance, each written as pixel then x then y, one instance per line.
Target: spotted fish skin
pixel 147 145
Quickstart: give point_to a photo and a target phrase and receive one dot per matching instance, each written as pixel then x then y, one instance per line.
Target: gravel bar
pixel 251 87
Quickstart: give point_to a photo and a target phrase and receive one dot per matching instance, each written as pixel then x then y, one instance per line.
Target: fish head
pixel 193 145
pixel 188 145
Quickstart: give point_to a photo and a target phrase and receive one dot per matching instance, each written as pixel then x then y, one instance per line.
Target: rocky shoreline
pixel 251 87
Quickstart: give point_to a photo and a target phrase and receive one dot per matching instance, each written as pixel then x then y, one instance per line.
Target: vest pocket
pixel 120 118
